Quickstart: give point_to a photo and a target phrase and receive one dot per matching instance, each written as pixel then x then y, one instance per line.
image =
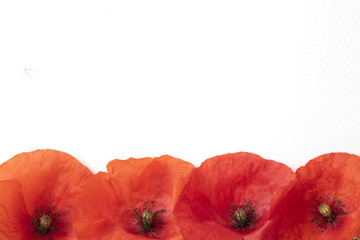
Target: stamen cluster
pixel 327 211
pixel 242 216
pixel 45 221
pixel 147 221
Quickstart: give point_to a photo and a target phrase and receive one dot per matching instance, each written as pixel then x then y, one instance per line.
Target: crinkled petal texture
pixel 47 178
pixel 203 207
pixel 335 173
pixel 104 209
pixel 13 215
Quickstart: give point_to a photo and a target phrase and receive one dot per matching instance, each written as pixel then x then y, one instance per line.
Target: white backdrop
pixel 116 79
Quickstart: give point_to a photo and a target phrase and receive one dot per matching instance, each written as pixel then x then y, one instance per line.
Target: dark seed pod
pixel 240 215
pixel 147 218
pixel 45 222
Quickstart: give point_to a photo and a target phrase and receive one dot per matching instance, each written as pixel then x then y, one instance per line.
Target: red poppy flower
pixel 324 201
pixel 232 197
pixel 39 194
pixel 134 200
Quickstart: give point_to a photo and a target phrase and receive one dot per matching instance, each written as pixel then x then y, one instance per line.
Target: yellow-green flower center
pixel 45 222
pixel 240 215
pixel 325 210
pixel 147 218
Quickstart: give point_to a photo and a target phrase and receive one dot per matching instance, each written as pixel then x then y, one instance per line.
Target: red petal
pixel 336 173
pixel 48 177
pixel 14 219
pixel 223 180
pixel 104 209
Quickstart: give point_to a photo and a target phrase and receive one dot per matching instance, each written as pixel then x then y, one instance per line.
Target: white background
pixel 116 79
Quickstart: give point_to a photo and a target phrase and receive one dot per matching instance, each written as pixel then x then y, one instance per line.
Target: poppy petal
pixel 336 174
pixel 48 178
pixel 104 209
pixel 202 209
pixel 14 217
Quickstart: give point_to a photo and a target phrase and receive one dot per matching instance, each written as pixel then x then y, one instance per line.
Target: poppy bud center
pixel 325 210
pixel 240 215
pixel 147 218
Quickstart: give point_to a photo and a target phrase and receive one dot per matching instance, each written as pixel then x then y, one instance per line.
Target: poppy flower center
pixel 242 216
pixel 327 212
pixel 146 220
pixel 44 222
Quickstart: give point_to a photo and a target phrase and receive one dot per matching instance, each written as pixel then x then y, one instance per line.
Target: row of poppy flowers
pixel 48 194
